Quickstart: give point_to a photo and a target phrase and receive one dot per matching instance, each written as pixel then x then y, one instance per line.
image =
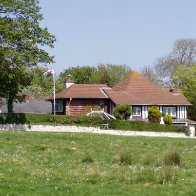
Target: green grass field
pixel 85 164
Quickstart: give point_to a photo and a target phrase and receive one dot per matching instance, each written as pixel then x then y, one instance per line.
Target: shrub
pixel 187 131
pixel 122 111
pixel 51 119
pixel 172 158
pixel 16 118
pixel 125 157
pixel 154 114
pixel 87 159
pixel 143 126
pixel 167 119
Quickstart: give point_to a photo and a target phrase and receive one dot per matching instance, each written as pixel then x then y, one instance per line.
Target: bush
pixel 122 111
pixel 16 118
pixel 172 158
pixel 167 119
pixel 50 119
pixel 87 159
pixel 143 126
pixel 154 114
pixel 125 157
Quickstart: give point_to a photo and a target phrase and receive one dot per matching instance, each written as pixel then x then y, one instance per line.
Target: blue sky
pixel 131 32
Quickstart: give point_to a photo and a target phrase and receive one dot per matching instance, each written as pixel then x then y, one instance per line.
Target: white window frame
pixel 170 110
pixel 59 105
pixel 138 110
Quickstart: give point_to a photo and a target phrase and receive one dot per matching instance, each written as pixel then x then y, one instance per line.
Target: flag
pixel 49 74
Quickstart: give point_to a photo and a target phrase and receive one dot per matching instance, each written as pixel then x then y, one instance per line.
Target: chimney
pixel 25 98
pixel 68 81
pixel 173 90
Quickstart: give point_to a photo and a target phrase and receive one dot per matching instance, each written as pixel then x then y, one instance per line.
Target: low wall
pixel 77 129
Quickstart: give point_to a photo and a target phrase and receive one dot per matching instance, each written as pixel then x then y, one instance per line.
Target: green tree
pixel 102 74
pixel 122 112
pixel 21 45
pixel 154 114
pixel 80 75
pixel 182 53
pixel 41 86
pixel 109 74
pixel 185 79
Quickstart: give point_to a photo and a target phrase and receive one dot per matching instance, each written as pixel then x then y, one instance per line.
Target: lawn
pixel 34 163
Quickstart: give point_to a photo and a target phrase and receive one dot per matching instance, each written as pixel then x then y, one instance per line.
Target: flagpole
pixel 54 92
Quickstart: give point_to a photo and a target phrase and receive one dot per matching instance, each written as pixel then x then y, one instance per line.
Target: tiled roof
pixel 82 91
pixel 135 89
pixel 32 106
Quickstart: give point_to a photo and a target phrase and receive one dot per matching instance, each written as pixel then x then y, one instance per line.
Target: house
pixel 77 99
pixel 141 93
pixel 134 90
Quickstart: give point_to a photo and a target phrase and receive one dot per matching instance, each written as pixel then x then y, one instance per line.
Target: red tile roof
pixel 135 89
pixel 82 91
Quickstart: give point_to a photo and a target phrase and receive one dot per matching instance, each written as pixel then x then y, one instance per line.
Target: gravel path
pixel 76 129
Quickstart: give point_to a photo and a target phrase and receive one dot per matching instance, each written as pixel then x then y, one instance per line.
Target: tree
pixel 149 73
pixel 40 86
pixel 122 112
pixel 154 114
pixel 183 53
pixel 109 74
pixel 80 75
pixel 102 74
pixel 21 43
pixel 185 79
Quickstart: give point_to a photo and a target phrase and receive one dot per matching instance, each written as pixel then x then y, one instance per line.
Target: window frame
pixel 58 105
pixel 167 112
pixel 137 107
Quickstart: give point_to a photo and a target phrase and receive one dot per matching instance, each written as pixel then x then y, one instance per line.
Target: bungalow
pixel 77 99
pixel 134 90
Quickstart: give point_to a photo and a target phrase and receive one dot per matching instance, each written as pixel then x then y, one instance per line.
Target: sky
pixel 129 32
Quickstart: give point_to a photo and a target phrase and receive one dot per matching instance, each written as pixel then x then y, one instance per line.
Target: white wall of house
pixel 181 111
pixel 144 112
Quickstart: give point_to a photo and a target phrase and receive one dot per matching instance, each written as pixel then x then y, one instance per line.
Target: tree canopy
pixel 182 53
pixel 185 79
pixel 21 45
pixel 40 86
pixel 102 74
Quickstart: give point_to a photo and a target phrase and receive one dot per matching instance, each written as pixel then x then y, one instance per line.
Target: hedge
pixel 144 126
pixel 90 121
pixel 31 118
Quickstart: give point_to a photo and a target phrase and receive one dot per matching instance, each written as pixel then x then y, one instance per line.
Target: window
pixel 137 111
pixel 102 105
pixel 59 105
pixel 170 110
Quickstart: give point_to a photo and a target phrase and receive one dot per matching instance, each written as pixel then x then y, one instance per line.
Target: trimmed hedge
pixel 90 121
pixel 31 118
pixel 144 126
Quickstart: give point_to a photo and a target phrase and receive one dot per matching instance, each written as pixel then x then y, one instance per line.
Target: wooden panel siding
pixel 77 107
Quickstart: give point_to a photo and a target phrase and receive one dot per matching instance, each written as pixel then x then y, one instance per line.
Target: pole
pixel 54 93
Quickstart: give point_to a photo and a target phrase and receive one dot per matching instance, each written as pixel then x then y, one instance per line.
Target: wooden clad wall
pixel 77 107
